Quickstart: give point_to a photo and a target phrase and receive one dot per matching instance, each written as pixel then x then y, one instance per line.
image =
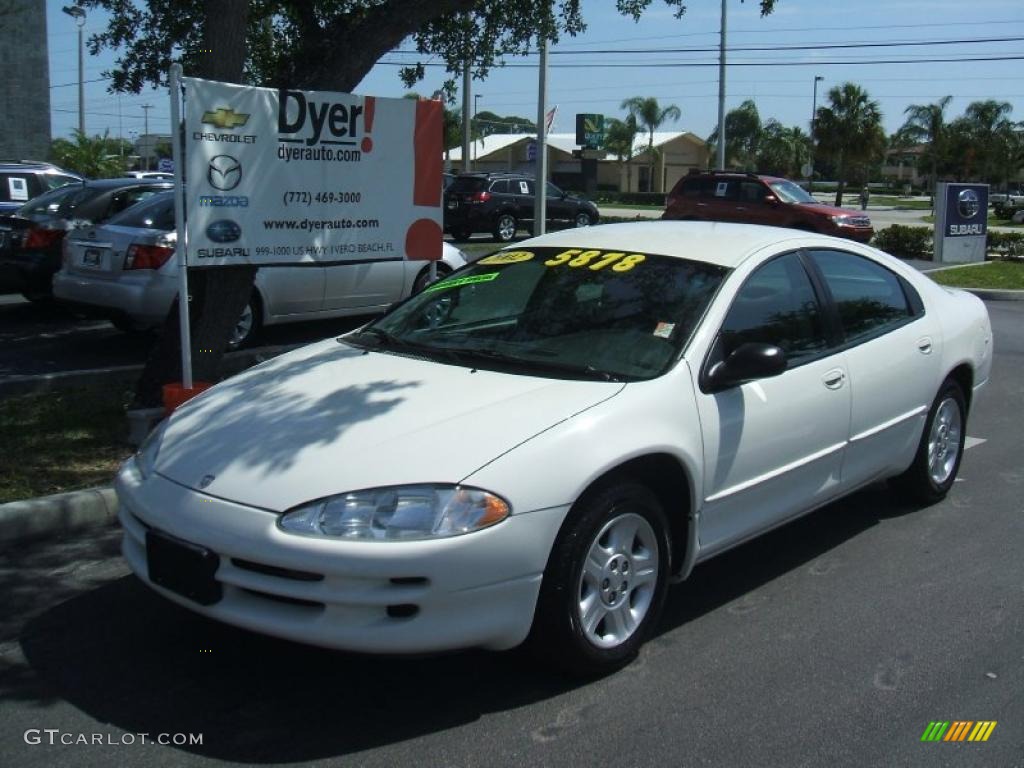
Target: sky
pixel 779 81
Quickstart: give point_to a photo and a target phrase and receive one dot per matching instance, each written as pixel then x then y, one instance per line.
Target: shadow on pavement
pixel 124 656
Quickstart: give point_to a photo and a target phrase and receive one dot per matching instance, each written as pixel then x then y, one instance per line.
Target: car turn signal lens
pixel 147 256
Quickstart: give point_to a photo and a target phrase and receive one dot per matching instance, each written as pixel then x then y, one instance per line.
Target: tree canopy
pixel 333 44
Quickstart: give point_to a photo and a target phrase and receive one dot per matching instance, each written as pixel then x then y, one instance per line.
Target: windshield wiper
pixel 490 355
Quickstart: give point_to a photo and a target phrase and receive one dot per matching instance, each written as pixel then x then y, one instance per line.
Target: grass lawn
pixel 994 274
pixel 899 202
pixel 992 221
pixel 60 441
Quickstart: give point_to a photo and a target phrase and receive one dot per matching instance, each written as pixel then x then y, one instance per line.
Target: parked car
pixel 502 203
pixel 20 182
pixel 747 198
pixel 1014 196
pixel 539 444
pixel 163 175
pixel 31 239
pixel 126 270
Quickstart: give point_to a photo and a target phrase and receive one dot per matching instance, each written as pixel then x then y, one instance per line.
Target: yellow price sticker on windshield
pixel 507 257
pixel 620 261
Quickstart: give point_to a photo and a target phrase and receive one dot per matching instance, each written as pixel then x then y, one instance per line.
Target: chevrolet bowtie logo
pixel 225 117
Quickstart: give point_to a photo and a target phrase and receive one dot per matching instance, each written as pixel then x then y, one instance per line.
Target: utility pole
pixel 721 93
pixel 78 14
pixel 814 119
pixel 540 180
pixel 465 115
pixel 149 140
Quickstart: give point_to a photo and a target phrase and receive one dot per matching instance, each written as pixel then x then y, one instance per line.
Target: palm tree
pixel 88 155
pixel 619 137
pixel 742 136
pixel 849 132
pixel 992 132
pixel 926 123
pixel 781 150
pixel 649 115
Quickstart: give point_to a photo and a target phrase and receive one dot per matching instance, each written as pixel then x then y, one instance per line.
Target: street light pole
pixel 148 138
pixel 814 115
pixel 78 14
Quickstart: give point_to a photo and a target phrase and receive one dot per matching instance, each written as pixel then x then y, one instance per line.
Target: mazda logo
pixel 224 231
pixel 968 204
pixel 224 173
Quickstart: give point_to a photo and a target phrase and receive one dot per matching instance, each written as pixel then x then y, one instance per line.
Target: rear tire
pixel 247 329
pixel 505 227
pixel 941 449
pixel 605 582
pixel 423 278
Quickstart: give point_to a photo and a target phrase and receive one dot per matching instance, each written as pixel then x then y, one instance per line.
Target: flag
pixel 549 118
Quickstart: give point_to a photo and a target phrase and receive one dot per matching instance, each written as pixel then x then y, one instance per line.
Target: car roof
pixel 127 181
pixel 712 242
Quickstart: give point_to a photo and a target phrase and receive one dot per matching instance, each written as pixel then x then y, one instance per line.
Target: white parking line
pixel 971 442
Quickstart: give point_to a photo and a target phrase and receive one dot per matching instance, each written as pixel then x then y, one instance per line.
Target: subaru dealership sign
pixel 961 222
pixel 288 176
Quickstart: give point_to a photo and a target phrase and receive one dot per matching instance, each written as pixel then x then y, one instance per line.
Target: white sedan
pixel 536 446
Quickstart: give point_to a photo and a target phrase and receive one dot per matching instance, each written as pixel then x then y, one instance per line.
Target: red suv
pixel 751 199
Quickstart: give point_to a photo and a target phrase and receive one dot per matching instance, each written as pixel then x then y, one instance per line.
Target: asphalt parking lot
pixel 832 641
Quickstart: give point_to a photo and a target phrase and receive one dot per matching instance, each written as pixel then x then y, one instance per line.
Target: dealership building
pixel 25 85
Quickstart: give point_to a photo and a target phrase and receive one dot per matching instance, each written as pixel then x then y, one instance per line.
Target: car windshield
pixel 789 192
pixel 555 312
pixel 49 202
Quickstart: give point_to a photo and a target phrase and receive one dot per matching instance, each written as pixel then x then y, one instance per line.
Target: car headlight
pixel 842 221
pixel 145 457
pixel 405 512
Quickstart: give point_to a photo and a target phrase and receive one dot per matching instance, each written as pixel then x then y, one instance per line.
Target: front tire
pixel 941 449
pixel 505 227
pixel 583 219
pixel 605 582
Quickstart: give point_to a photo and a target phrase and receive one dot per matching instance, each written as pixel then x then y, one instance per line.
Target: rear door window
pixel 500 187
pixel 869 297
pixel 15 188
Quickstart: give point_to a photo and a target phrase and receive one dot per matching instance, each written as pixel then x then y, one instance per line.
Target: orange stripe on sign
pixel 428 149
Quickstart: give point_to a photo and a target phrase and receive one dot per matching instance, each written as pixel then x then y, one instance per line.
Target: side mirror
pixel 748 362
pixel 771 199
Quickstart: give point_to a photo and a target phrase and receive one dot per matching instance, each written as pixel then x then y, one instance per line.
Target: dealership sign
pixel 961 222
pixel 288 176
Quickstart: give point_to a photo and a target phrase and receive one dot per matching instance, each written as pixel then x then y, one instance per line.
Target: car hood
pixel 330 418
pixel 821 209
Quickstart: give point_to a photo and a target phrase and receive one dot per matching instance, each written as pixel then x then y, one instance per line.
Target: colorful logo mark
pixel 958 730
pixel 225 117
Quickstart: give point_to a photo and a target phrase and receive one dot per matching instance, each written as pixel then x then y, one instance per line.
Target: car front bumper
pixel 475 590
pixel 144 297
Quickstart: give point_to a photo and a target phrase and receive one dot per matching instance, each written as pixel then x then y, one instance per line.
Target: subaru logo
pixel 224 231
pixel 224 172
pixel 206 480
pixel 968 204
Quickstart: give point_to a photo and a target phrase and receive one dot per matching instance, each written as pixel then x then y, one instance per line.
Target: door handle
pixel 925 345
pixel 740 208
pixel 834 378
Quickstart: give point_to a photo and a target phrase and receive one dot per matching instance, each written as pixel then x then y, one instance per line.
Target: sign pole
pixel 540 180
pixel 179 218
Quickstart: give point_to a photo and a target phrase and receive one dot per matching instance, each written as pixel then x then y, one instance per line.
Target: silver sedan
pixel 127 270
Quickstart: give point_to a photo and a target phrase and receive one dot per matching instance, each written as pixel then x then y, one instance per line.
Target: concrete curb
pixel 994 294
pixel 60 513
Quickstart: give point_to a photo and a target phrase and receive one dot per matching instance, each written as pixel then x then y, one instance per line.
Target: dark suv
pixel 751 199
pixel 20 182
pixel 502 203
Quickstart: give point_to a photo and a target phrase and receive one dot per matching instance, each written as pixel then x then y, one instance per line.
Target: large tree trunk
pixel 217 295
